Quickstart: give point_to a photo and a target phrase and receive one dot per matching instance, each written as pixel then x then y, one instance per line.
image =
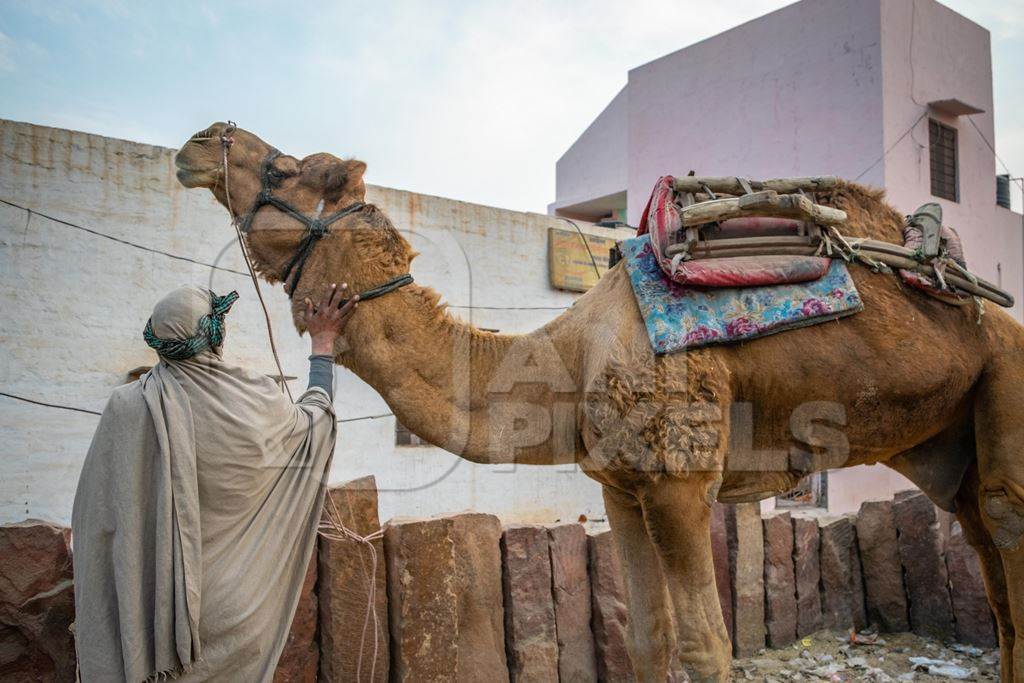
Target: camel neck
pixel 490 398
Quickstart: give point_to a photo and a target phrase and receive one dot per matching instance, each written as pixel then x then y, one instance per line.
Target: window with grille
pixel 942 143
pixel 403 437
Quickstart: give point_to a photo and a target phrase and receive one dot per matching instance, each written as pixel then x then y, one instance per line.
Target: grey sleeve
pixel 321 373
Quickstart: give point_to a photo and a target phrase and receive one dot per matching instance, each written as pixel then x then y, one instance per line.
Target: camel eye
pixel 277 174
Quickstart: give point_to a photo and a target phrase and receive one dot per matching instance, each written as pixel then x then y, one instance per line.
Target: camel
pixel 910 382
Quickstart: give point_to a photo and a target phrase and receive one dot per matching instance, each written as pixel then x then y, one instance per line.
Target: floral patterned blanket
pixel 681 317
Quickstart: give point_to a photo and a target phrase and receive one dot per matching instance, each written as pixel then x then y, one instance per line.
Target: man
pixel 197 508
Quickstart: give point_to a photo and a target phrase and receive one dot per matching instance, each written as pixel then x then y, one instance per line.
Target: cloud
pixel 56 12
pixel 7 53
pixel 1004 18
pixel 479 100
pixel 474 101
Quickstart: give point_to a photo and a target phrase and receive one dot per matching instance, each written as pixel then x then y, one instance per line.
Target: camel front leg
pixel 650 636
pixel 677 512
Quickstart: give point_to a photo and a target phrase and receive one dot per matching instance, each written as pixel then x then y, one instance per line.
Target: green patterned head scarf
pixel 209 330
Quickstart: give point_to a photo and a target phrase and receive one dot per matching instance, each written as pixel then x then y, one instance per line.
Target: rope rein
pixel 331 525
pixel 332 528
pixel 225 144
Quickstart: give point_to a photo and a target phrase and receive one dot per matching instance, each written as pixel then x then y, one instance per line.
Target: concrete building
pixel 74 305
pixel 891 93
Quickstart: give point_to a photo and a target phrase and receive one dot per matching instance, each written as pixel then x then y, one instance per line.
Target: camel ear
pixel 356 169
pixel 344 178
pixel 354 177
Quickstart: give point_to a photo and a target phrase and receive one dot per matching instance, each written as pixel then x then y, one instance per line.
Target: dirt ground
pixel 829 656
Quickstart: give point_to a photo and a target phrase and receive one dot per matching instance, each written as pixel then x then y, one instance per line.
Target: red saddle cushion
pixel 913 239
pixel 662 220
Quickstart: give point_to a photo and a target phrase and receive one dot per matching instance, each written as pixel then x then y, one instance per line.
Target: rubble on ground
pixel 869 656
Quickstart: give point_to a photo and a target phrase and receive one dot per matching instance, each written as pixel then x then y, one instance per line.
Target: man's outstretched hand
pixel 326 321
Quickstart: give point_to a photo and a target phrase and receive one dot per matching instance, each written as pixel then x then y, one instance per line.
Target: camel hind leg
pixel 999 433
pixel 968 513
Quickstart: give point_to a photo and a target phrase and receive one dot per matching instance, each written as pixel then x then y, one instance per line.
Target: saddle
pixel 924 233
pixel 734 232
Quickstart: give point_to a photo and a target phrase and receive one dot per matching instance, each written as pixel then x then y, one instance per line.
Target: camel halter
pixel 331 525
pixel 316 229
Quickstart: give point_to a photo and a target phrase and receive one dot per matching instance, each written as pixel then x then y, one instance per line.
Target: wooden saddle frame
pixel 704 202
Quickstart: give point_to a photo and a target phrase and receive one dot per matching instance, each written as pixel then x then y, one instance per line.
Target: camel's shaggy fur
pixel 910 382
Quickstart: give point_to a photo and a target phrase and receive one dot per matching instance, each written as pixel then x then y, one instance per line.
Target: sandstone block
pixel 807 570
pixel 779 580
pixel 924 565
pixel 746 565
pixel 445 599
pixel 720 556
pixel 345 569
pixel 531 640
pixel 880 560
pixel 37 603
pixel 836 574
pixel 570 586
pixel 300 659
pixel 608 601
pixel 860 613
pixel 974 621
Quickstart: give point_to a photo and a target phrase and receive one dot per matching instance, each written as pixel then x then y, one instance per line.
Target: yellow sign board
pixel 569 262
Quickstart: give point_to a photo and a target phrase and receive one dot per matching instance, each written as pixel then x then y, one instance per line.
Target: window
pixel 403 437
pixel 942 143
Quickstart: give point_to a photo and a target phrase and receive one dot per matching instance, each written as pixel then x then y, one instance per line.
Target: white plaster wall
pixel 795 92
pixel 949 57
pixel 596 165
pixel 848 488
pixel 74 305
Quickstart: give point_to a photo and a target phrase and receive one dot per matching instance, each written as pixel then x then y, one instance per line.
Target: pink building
pixel 891 93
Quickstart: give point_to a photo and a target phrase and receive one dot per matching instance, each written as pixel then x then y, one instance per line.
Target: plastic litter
pixel 940 667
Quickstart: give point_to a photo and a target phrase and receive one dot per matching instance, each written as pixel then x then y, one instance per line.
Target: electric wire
pixel 47 404
pixel 892 146
pixel 993 150
pixel 586 244
pixel 92 231
pixel 60 406
pixel 32 212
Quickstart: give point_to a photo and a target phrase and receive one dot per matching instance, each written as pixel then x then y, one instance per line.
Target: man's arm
pixel 325 323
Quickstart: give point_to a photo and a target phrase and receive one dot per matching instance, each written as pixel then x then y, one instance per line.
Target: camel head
pixel 363 249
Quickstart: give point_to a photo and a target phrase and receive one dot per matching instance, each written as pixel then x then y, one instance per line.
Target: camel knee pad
pixel 1004 517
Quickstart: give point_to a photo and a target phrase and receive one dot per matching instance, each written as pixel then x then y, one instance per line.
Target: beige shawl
pixel 195 517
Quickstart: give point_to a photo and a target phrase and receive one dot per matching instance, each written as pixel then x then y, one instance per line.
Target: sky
pixel 474 100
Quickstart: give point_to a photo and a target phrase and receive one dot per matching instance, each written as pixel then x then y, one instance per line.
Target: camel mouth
pixel 192 178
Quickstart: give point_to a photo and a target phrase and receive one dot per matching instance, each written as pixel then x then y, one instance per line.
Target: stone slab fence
pixel 461 598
